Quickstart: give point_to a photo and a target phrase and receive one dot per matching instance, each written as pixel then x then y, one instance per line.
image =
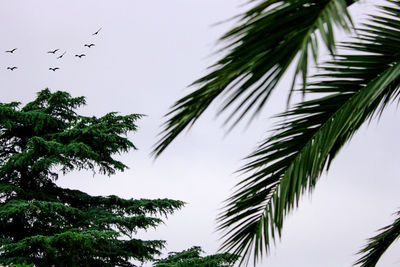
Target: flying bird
pixel 89 45
pixel 12 68
pixel 54 69
pixel 53 52
pixel 81 55
pixel 60 56
pixel 11 51
pixel 97 32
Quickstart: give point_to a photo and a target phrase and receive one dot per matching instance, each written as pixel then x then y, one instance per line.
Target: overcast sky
pixel 145 55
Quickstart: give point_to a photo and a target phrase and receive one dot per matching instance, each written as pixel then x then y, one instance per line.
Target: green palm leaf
pixel 355 87
pixel 379 244
pixel 260 50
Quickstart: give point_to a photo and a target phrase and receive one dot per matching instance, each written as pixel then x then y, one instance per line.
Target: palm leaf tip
pixel 378 244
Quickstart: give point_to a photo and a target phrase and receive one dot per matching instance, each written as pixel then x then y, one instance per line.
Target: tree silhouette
pixel 44 224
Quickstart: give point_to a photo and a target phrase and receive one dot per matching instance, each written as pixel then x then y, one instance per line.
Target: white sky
pixel 144 57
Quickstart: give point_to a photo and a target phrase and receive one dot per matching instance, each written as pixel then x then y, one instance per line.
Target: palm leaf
pixel 260 50
pixel 354 88
pixel 377 245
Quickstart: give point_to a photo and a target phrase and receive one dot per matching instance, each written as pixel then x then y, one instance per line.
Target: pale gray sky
pixel 144 57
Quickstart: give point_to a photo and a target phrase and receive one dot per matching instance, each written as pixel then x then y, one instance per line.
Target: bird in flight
pixel 11 51
pixel 54 69
pixel 81 55
pixel 12 68
pixel 89 45
pixel 60 56
pixel 53 52
pixel 97 32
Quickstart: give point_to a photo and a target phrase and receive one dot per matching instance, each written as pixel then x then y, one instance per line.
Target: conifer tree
pixel 191 258
pixel 44 224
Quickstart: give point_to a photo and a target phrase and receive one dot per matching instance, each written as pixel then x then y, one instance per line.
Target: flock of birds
pixel 11 51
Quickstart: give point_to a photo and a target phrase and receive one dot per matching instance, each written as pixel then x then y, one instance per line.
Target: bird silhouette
pixel 60 56
pixel 12 68
pixel 53 52
pixel 81 55
pixel 54 69
pixel 97 32
pixel 89 45
pixel 11 51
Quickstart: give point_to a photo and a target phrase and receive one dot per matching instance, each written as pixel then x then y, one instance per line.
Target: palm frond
pixel 286 165
pixel 260 50
pixel 378 244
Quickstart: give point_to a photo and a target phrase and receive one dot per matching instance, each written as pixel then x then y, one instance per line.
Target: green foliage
pixel 258 52
pixel 352 88
pixel 46 225
pixel 191 258
pixel 290 162
pixel 20 265
pixel 377 245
